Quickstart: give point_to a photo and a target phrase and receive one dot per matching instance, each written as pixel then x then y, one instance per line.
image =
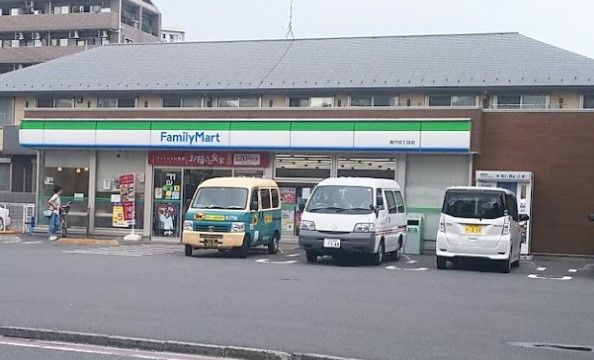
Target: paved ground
pixel 401 310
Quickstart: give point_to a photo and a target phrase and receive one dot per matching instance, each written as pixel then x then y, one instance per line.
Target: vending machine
pixel 521 184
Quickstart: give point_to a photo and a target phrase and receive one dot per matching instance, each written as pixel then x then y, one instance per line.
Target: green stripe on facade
pixel 261 125
pixel 322 126
pixel 424 210
pixel 70 125
pixel 445 126
pixel 123 125
pixel 388 126
pixel 191 125
pixel 32 125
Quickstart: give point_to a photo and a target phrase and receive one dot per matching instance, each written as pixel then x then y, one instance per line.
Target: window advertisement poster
pixel 166 219
pixel 118 220
pixel 288 200
pixel 127 193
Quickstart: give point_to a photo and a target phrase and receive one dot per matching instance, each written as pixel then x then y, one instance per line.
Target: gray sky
pixel 564 23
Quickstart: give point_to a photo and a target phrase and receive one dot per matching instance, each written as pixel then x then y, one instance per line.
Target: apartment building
pixel 495 109
pixel 35 31
pixel 173 35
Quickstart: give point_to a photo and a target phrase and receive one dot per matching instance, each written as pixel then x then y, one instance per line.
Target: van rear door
pixel 474 218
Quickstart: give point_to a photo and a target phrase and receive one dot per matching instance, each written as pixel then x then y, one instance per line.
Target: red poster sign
pixel 127 192
pixel 208 159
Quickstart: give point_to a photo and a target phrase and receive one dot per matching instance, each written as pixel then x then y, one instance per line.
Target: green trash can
pixel 415 224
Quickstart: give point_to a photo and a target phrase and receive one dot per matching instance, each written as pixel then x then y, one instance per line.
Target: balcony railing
pixel 53 22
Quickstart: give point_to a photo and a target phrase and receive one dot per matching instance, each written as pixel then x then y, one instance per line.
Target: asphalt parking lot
pixel 404 309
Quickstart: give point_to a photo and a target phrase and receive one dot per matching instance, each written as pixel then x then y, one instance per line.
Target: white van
pixel 480 222
pixel 354 215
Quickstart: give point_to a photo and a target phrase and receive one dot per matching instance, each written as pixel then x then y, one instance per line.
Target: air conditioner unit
pixel 37 43
pixel 36 36
pixel 54 42
pixel 105 10
pixel 15 43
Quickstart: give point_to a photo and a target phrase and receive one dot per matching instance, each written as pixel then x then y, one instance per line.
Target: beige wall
pixel 20 107
pixel 277 101
pixel 416 100
pixel 570 100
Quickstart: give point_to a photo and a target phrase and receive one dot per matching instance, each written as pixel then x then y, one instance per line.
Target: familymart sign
pixel 410 135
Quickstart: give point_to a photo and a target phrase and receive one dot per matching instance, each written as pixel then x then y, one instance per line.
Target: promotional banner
pixel 127 193
pixel 207 159
pixel 118 217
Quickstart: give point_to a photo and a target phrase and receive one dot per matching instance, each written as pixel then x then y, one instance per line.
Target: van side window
pixel 275 198
pixel 512 206
pixel 400 202
pixel 391 202
pixel 255 198
pixel 265 196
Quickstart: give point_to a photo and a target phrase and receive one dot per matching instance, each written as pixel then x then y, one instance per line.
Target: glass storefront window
pixel 69 169
pixel 167 202
pixel 302 166
pixel 110 166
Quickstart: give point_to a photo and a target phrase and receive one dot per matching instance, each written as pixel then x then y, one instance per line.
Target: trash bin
pixel 414 234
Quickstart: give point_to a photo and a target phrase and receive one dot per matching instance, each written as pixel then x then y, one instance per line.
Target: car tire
pixel 441 262
pixel 189 250
pixel 2 225
pixel 505 265
pixel 378 258
pixel 242 252
pixel 311 256
pixel 273 245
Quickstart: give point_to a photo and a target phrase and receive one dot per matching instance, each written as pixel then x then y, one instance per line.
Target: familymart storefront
pixel 169 159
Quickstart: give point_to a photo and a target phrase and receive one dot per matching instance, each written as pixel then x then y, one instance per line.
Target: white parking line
pixel 541 268
pixel 573 271
pixel 268 261
pixel 563 278
pixel 31 242
pixel 293 255
pixel 412 262
pixel 392 267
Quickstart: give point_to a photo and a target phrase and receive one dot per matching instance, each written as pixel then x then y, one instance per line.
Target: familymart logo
pixel 190 138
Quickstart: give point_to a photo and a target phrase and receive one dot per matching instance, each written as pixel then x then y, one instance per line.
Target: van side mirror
pixel 379 201
pixel 301 206
pixel 523 217
pixel 591 217
pixel 254 205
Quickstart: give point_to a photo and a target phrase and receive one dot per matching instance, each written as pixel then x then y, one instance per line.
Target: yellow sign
pixel 214 217
pixel 268 219
pixel 473 229
pixel 255 219
pixel 199 216
pixel 118 219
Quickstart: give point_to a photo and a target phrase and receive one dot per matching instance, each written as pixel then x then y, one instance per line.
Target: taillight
pixel 506 226
pixel 442 225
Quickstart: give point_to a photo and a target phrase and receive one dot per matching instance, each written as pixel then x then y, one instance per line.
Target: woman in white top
pixel 54 205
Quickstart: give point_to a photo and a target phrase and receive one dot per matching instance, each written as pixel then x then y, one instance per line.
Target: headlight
pixel 307 225
pixel 237 227
pixel 364 227
pixel 188 225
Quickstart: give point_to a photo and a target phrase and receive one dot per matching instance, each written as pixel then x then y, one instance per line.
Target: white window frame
pixel 428 96
pixel 547 101
pixel 583 102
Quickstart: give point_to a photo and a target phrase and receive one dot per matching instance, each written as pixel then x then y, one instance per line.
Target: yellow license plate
pixel 211 243
pixel 473 229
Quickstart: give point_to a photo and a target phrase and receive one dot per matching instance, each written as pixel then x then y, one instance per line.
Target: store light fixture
pixel 78 170
pixel 59 168
pixel 87 169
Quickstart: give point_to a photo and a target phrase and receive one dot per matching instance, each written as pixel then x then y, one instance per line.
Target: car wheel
pixel 2 225
pixel 311 256
pixel 273 245
pixel 505 265
pixel 441 262
pixel 378 258
pixel 242 252
pixel 189 250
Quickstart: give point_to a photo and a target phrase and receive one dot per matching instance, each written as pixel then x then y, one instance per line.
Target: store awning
pixel 401 135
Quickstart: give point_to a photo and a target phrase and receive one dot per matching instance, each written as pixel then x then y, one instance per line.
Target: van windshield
pixel 341 199
pixel 474 205
pixel 220 198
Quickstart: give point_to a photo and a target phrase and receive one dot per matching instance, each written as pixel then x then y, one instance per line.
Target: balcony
pixel 33 55
pixel 52 22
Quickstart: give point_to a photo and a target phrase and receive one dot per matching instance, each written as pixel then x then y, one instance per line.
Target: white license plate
pixel 332 243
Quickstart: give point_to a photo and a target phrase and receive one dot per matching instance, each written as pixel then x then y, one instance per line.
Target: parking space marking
pixel 573 271
pixel 10 241
pixel 563 278
pixel 412 262
pixel 268 261
pixel 293 255
pixel 128 251
pixel 31 242
pixel 392 267
pixel 541 268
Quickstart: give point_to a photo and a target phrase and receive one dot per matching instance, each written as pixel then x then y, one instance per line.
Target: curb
pixel 158 345
pixel 69 241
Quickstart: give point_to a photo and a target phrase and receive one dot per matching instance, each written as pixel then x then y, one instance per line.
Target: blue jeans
pixel 54 224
